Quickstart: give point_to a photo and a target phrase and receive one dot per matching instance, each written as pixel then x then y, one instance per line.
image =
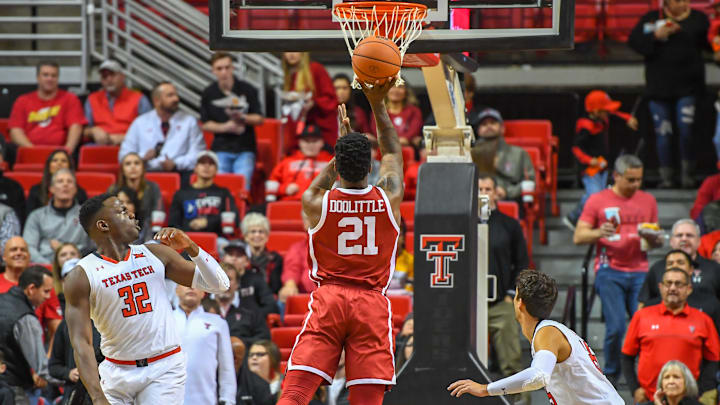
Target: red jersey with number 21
pixel 355 242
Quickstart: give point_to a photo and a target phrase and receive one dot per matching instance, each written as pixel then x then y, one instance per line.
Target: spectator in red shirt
pixel 359 120
pixel 610 220
pixel 48 116
pixel 293 175
pixel 305 77
pixel 17 258
pixel 411 174
pixel 671 330
pixel 402 107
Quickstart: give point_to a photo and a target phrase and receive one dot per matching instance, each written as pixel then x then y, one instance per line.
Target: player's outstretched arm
pixel 550 345
pixel 313 196
pixel 391 165
pixel 77 316
pixel 203 272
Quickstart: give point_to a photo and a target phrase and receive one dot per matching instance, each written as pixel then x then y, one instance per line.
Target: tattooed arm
pixel 313 196
pixel 391 166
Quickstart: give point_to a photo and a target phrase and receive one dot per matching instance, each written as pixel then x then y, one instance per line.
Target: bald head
pixel 238 348
pixel 16 255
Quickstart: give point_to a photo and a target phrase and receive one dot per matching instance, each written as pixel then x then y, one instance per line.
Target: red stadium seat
pixel 265 161
pixel 509 208
pixel 538 133
pixel 94 183
pixel 99 159
pixel 271 131
pixel 32 158
pixel 410 241
pixel 273 321
pixel 26 179
pixel 285 216
pixel 283 366
pixel 622 17
pixel 297 304
pixel 294 319
pixel 209 138
pixel 407 212
pixel 285 353
pixel 280 241
pixel 408 157
pixel 284 337
pixel 536 210
pixel 206 240
pixel 168 182
pixel 4 128
pixel 401 305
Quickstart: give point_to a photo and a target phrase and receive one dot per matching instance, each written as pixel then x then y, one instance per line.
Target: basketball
pixel 376 58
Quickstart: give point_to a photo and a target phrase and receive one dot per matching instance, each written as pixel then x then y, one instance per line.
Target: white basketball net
pixel 402 25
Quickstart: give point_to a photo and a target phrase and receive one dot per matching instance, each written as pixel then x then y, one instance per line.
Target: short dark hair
pixel 684 253
pixel 46 63
pixel 33 275
pixel 352 156
pixel 538 291
pixel 229 267
pixel 156 90
pixel 90 208
pixel 677 270
pixel 342 76
pixel 487 176
pixel 273 352
pixel 220 55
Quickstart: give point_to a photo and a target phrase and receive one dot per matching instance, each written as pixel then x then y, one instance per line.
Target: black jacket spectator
pixel 255 294
pixel 252 389
pixel 270 265
pixel 12 195
pixel 673 68
pixel 62 360
pixel 14 306
pixel 505 263
pixel 705 279
pixel 7 396
pixel 247 325
pixel 189 203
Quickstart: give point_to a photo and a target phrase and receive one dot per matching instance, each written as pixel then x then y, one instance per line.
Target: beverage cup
pixel 227 219
pixel 157 220
pixel 527 187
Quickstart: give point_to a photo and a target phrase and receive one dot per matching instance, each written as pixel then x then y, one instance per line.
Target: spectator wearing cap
pixel 509 164
pixel 672 40
pixel 705 273
pixel 251 290
pixel 229 108
pixel 166 138
pixel 591 146
pixel 111 110
pixel 49 115
pixel 245 322
pixel 9 225
pixel 11 192
pixel 293 175
pixel 199 206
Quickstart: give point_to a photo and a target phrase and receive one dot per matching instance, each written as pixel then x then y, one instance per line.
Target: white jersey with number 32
pixel 129 305
pixel 577 380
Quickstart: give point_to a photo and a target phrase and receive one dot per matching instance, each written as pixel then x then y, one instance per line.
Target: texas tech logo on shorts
pixel 442 249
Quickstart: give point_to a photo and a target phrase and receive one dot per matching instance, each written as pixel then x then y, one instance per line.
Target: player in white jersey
pixel 121 287
pixel 562 362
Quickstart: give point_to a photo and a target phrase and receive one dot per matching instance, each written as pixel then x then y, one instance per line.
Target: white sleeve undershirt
pixel 532 378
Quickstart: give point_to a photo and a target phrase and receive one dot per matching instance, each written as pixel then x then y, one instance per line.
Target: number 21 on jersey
pixel 359 226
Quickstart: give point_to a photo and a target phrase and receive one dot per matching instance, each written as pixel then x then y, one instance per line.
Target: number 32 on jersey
pixel 347 241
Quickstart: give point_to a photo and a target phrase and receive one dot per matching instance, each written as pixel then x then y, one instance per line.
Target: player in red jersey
pixel 353 243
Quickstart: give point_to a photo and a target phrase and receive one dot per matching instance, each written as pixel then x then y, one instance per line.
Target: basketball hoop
pixel 396 21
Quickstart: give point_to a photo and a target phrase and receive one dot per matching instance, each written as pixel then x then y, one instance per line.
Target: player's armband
pixel 532 378
pixel 209 276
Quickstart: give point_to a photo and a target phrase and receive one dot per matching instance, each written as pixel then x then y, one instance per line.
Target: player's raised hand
pixel 377 92
pixel 174 238
pixel 461 387
pixel 344 121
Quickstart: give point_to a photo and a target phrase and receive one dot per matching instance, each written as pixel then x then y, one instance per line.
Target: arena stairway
pixel 563 260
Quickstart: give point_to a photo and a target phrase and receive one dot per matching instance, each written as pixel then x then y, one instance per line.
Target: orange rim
pixel 363 8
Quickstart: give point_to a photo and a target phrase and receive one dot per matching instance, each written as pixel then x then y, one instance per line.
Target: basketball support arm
pixel 209 276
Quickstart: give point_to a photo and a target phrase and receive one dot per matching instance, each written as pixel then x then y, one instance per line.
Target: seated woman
pixel 264 360
pixel 39 194
pixel 256 232
pixel 675 386
pixel 132 175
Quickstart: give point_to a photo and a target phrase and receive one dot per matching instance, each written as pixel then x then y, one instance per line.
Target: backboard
pixel 452 25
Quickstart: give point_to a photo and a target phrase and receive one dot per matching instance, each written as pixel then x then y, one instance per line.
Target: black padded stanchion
pixel 446 232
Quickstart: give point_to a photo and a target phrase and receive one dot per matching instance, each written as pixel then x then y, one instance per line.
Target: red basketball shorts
pixel 356 319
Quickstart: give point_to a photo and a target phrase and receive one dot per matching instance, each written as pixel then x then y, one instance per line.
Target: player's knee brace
pixel 299 387
pixel 367 394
